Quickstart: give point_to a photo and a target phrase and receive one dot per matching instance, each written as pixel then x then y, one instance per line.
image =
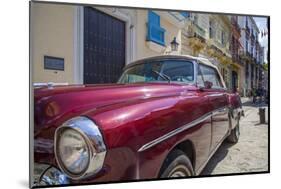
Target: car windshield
pixel 159 71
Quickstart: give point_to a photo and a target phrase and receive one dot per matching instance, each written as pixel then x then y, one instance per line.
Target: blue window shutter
pixel 154 31
pixel 185 14
pixel 153 18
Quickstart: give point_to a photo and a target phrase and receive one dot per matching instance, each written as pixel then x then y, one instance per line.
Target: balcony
pixel 221 47
pixel 199 31
pixel 235 25
pixel 235 54
pixel 178 19
pixel 248 36
pixel 236 58
pixel 245 55
pixel 257 44
pixel 253 37
pixel 248 30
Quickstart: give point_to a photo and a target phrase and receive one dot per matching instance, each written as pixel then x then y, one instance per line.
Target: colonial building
pixel 215 37
pixel 82 45
pixel 77 44
pixel 250 53
pixel 235 47
pixel 219 43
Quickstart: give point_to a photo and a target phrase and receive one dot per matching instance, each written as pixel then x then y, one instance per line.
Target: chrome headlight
pixel 79 148
pixel 73 151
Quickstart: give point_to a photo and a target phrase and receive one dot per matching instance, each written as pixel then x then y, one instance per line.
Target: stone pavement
pixel 250 154
pixel 245 99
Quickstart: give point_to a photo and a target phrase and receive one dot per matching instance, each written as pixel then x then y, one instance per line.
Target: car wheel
pixel 176 165
pixel 234 134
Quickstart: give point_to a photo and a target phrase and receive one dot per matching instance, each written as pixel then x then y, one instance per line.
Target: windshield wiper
pixel 163 76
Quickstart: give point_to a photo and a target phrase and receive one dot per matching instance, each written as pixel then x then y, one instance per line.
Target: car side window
pixel 179 71
pixel 210 76
pixel 158 71
pixel 200 81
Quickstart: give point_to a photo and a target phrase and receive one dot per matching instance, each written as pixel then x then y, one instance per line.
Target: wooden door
pixel 104 47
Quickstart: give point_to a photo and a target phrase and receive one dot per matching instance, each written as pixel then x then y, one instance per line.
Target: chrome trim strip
pixel 174 132
pixel 181 129
pixel 215 95
pixel 49 84
pixel 220 110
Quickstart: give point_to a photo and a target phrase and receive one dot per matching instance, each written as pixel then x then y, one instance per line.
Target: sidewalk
pixel 250 154
pixel 248 101
pixel 248 106
pixel 245 99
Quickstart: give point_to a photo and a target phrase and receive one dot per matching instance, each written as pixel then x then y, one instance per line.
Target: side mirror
pixel 201 88
pixel 208 84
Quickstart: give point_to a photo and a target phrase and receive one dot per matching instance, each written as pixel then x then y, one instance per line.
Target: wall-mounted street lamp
pixel 174 45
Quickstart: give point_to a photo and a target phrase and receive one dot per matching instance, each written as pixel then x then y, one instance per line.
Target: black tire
pixel 177 164
pixel 234 134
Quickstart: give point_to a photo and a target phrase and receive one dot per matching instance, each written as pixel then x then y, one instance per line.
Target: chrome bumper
pixel 45 175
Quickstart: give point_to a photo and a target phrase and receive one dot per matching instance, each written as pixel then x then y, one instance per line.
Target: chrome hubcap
pixel 179 171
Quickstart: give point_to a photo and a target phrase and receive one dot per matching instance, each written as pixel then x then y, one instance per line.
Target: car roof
pixel 201 60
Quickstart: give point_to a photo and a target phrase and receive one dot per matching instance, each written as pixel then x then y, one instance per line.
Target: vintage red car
pixel 165 117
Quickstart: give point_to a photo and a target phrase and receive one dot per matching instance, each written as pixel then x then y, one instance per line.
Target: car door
pixel 214 90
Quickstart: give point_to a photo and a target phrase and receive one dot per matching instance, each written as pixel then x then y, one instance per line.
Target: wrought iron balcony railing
pixel 235 25
pixel 248 30
pixel 237 59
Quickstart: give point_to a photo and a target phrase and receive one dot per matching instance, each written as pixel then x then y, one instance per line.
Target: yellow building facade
pixel 67 33
pixel 74 44
pixel 209 36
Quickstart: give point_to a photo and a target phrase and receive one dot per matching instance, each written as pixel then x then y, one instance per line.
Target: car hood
pixel 55 105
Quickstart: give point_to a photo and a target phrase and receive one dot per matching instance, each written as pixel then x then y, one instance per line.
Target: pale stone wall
pixel 52 28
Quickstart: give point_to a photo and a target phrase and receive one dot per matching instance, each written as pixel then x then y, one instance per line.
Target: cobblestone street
pixel 250 154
